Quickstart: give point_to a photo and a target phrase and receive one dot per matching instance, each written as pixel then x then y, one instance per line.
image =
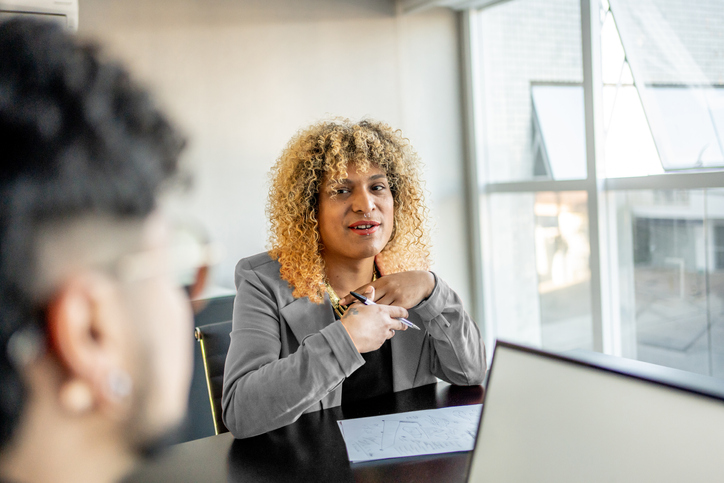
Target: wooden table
pixel 312 449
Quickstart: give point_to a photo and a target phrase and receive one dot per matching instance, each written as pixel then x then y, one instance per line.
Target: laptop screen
pixel 548 418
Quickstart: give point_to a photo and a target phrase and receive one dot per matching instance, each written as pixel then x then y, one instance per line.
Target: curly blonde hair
pixel 329 148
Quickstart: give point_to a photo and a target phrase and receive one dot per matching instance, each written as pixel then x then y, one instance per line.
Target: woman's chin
pixel 362 253
pixel 356 248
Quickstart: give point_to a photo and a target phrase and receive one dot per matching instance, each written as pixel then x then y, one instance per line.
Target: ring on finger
pixel 393 331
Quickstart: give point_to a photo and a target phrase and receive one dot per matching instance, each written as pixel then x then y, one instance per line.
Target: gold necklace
pixel 341 309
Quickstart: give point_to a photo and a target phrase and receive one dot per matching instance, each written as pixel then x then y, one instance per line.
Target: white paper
pixel 415 433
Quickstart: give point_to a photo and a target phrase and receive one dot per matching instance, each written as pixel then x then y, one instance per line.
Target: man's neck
pixel 347 275
pixel 58 462
pixel 52 446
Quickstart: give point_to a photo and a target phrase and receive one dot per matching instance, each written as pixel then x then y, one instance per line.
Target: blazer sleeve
pixel 263 391
pixel 457 350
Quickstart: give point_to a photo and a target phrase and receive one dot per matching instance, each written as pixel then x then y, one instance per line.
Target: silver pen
pixel 367 301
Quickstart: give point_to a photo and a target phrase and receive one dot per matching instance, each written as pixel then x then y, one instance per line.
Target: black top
pixel 373 378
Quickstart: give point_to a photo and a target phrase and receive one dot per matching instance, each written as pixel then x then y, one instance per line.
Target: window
pixel 526 42
pixel 539 261
pixel 599 131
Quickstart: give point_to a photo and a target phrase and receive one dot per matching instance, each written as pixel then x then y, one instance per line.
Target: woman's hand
pixel 370 326
pixel 404 289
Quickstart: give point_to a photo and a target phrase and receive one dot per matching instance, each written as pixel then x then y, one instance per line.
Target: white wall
pixel 242 76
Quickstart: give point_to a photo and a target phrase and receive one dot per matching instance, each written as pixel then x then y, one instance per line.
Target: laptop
pixel 595 418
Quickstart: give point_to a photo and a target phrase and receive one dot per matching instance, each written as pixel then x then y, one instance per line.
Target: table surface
pixel 312 448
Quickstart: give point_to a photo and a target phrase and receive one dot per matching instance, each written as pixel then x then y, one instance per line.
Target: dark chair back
pixel 214 340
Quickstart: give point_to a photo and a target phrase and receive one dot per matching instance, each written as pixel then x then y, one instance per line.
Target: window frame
pixel 605 306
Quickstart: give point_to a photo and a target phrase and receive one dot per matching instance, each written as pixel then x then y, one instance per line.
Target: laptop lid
pixel 549 418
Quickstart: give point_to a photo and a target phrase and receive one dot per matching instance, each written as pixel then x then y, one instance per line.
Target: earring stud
pixel 119 384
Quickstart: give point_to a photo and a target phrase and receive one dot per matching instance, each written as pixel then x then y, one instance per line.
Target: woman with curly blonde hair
pixel 347 213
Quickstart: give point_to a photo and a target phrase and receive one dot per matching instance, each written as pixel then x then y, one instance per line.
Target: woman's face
pixel 356 215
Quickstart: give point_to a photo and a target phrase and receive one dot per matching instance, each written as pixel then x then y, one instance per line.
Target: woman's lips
pixel 364 227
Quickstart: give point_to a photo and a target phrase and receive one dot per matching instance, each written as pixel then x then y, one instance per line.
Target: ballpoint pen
pixel 367 301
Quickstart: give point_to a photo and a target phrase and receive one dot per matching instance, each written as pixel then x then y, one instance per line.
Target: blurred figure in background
pixel 95 335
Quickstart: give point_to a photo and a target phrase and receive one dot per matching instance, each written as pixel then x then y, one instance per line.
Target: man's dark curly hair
pixel 77 138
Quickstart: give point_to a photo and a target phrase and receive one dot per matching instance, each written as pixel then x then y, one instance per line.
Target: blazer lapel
pixel 306 318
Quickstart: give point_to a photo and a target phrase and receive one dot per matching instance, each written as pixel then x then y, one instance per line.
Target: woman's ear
pixel 83 328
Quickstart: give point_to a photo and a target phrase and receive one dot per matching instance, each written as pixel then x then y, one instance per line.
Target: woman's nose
pixel 362 202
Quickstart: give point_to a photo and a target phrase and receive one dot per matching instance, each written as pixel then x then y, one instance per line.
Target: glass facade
pixel 649 283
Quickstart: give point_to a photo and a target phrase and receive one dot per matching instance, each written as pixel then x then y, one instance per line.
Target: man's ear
pixel 83 329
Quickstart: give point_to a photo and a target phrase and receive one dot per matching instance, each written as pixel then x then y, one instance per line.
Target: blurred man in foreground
pixel 95 346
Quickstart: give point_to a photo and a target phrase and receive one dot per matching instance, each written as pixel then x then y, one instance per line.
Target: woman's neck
pixel 347 275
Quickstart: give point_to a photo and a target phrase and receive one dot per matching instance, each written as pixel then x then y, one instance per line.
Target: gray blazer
pixel 290 356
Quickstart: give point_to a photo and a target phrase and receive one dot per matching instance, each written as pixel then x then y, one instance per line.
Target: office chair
pixel 214 340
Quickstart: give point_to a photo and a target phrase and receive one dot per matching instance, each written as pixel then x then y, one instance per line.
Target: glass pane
pixel 533 100
pixel 629 147
pixel 670 277
pixel 675 52
pixel 537 273
pixel 564 276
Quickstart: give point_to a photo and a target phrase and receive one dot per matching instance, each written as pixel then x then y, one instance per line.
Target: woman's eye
pixel 379 187
pixel 340 191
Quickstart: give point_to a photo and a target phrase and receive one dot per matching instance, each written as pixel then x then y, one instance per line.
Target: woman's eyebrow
pixel 335 182
pixel 377 176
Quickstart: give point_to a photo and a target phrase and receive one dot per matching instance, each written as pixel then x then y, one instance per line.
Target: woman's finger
pixel 396 312
pixel 387 299
pixel 366 290
pixel 380 292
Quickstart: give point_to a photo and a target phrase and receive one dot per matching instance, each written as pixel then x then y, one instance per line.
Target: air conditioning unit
pixel 65 12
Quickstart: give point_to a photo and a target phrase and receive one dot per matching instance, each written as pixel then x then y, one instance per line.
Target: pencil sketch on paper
pixel 432 431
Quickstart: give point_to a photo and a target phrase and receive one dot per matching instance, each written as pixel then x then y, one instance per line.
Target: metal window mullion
pixel 537 186
pixel 680 180
pixel 712 179
pixel 477 131
pixel 470 94
pixel 708 241
pixel 592 82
